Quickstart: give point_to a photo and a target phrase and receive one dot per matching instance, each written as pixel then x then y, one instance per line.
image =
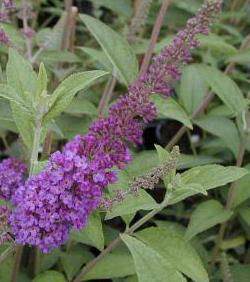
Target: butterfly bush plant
pixel 112 141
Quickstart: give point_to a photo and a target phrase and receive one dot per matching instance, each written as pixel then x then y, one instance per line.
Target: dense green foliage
pixel 55 94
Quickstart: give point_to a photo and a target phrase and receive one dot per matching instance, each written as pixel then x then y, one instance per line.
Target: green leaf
pixel 146 160
pixel 212 176
pixel 179 253
pixel 221 110
pixel 5 110
pixel 223 128
pixel 186 190
pixel 24 123
pixel 123 8
pixel 21 76
pixel 132 204
pixel 179 229
pixel 50 276
pixel 52 38
pixel 99 56
pixel 243 57
pixel 115 47
pixel 20 114
pixel 92 234
pixel 113 265
pixel 142 163
pixel 163 158
pixel 202 178
pixel 150 265
pixel 171 226
pixel 171 109
pixel 217 44
pixel 227 90
pixel 233 243
pixel 71 126
pixel 206 215
pixel 47 261
pixel 6 266
pixel 192 94
pixel 162 153
pixel 245 215
pixel 242 192
pixel 188 161
pixel 6 119
pixel 240 272
pixel 66 90
pixel 74 259
pixel 23 80
pixel 39 166
pixel 10 94
pixel 53 57
pixel 42 80
pixel 80 106
pixel 15 35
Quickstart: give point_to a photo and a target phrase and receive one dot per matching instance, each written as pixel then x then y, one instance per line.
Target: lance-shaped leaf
pixel 92 234
pixel 223 128
pixel 21 76
pixel 202 178
pixel 205 216
pixel 174 249
pixel 65 92
pixel 116 48
pixel 149 264
pixel 227 90
pixel 171 109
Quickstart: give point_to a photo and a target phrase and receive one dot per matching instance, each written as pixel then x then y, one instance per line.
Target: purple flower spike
pixel 63 196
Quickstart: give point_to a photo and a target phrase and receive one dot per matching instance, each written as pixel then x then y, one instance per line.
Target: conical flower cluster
pixel 64 194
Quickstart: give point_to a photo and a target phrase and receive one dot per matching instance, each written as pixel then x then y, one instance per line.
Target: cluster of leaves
pixel 50 94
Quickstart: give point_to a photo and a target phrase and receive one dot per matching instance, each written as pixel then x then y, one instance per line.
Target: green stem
pixel 17 262
pixel 36 261
pixel 36 144
pixel 118 240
